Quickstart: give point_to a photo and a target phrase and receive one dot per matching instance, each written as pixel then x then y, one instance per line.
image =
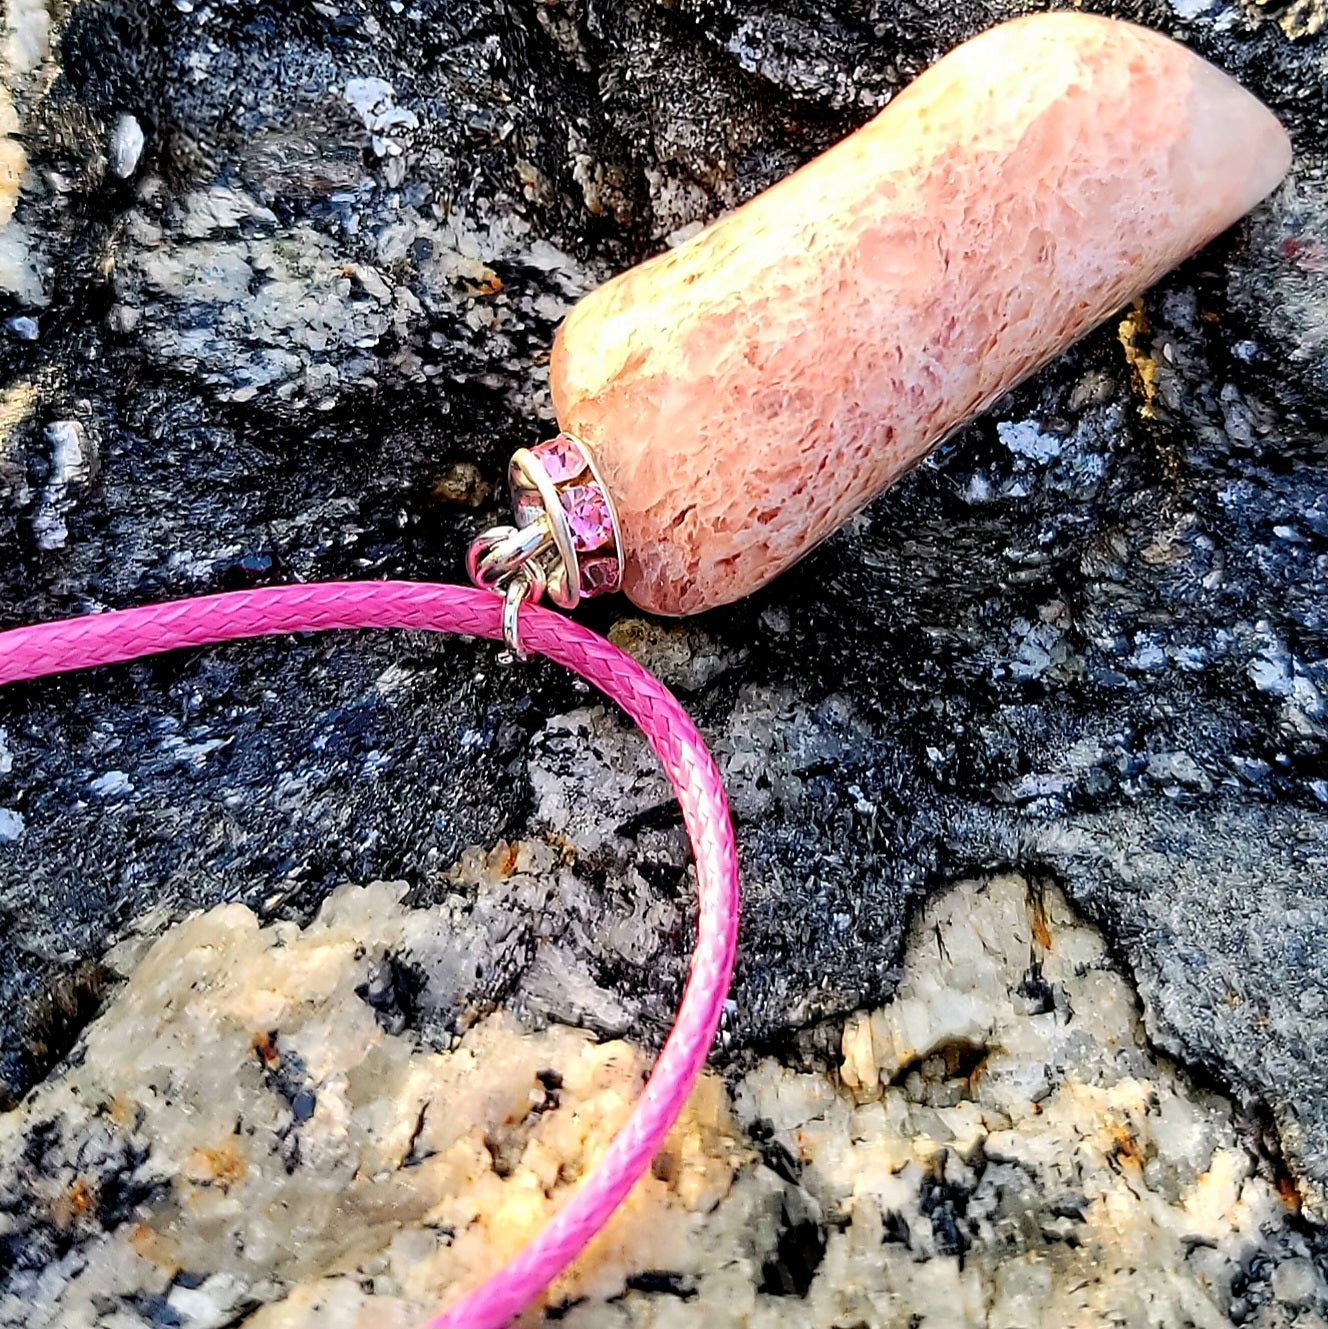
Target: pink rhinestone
pixel 587 516
pixel 599 576
pixel 561 458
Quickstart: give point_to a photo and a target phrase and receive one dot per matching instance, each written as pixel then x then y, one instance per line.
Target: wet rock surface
pixel 294 332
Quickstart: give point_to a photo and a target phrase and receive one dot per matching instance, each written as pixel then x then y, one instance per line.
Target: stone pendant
pixel 741 396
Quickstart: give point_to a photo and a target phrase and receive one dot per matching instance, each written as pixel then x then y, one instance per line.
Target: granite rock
pixel 245 1138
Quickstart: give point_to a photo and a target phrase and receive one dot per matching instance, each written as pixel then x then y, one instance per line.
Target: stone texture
pixel 253 1135
pixel 1086 638
pixel 750 390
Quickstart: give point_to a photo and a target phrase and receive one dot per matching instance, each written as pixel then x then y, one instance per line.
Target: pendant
pixel 727 405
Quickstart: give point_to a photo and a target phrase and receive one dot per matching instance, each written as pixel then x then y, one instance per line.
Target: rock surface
pixel 294 335
pixel 253 1134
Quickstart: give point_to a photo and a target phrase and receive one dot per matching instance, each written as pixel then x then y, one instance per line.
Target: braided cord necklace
pixel 125 634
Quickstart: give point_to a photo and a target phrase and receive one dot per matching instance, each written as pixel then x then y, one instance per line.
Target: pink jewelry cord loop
pixel 98 639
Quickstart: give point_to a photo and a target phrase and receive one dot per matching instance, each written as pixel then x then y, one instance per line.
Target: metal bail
pixel 501 552
pixel 516 594
pixel 565 543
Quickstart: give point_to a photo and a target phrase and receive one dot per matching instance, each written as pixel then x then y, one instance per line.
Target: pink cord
pixel 98 639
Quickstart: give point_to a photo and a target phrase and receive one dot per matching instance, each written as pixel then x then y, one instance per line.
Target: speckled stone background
pixel 294 335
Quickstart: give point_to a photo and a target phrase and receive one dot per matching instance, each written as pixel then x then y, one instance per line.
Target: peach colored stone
pixel 747 392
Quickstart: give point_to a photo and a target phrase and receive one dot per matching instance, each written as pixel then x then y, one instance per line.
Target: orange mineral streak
pixel 747 392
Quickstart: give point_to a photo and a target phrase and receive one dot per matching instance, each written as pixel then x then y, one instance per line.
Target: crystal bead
pixel 561 458
pixel 587 516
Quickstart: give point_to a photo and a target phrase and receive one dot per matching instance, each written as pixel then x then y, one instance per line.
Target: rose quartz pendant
pixel 744 394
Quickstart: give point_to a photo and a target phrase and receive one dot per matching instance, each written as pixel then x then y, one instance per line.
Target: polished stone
pixel 747 392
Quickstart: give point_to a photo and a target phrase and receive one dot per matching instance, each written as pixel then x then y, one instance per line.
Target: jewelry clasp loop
pixel 565 543
pixel 516 593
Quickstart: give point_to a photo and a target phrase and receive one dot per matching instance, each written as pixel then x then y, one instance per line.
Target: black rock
pixel 1089 638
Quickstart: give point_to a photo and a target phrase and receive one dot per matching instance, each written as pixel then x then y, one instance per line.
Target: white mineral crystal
pixel 12 825
pixel 242 1140
pixel 1026 439
pixel 111 785
pixel 126 146
pixel 73 461
pixel 389 126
